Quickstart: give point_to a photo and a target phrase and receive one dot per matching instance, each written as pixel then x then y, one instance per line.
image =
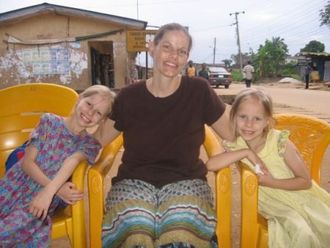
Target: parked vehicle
pixel 219 76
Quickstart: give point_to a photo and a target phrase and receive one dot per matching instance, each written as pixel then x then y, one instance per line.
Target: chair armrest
pixel 95 178
pixel 78 209
pixel 223 203
pixel 249 206
pixel 223 190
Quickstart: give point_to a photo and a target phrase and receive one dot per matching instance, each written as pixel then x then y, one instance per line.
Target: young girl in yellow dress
pixel 297 209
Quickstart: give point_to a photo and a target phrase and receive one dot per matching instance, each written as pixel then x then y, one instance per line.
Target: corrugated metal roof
pixel 27 12
pixel 321 54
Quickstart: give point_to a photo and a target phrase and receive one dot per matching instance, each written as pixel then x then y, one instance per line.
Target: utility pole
pixel 238 40
pixel 214 49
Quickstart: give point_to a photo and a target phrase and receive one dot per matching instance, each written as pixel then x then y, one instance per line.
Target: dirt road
pixel 291 98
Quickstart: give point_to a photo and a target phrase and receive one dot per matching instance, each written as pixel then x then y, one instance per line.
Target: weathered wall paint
pixel 33 64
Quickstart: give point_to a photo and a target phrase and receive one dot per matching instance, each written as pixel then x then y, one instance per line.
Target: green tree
pixel 325 15
pixel 313 46
pixel 227 62
pixel 271 57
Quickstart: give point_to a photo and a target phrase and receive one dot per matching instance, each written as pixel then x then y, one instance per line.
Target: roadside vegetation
pixel 270 60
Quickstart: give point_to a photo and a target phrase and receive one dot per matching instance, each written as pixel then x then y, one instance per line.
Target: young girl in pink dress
pixel 33 188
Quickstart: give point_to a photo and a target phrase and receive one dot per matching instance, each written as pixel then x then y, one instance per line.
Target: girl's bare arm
pixel 222 125
pixel 106 132
pixel 65 172
pixel 68 191
pixel 31 168
pixel 41 202
pixel 226 158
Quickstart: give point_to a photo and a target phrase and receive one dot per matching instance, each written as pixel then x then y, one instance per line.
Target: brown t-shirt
pixel 162 136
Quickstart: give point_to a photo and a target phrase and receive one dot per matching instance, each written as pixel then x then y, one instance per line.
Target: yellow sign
pixel 137 40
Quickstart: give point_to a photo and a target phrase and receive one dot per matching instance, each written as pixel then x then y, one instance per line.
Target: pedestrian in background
pixel 308 70
pixel 191 70
pixel 204 72
pixel 248 71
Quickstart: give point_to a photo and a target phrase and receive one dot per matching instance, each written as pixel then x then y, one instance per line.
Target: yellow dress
pixel 296 219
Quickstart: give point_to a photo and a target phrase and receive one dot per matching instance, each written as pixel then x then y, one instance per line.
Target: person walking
pixel 248 71
pixel 308 70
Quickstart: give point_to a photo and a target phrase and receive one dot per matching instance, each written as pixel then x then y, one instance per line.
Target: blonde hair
pixel 101 90
pixel 262 97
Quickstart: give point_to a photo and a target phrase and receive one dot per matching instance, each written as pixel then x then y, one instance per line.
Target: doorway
pixel 102 63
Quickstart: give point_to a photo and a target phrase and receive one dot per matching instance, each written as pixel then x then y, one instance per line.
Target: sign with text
pixel 137 39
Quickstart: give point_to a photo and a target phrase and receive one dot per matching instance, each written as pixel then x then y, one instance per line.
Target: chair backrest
pixel 21 107
pixel 97 173
pixel 311 136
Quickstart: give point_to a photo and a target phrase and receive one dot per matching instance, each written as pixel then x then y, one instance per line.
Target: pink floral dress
pixel 55 143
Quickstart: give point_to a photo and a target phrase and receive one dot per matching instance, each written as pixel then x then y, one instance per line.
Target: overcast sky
pixel 296 21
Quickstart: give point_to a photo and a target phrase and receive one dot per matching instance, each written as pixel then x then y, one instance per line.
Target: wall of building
pixel 66 62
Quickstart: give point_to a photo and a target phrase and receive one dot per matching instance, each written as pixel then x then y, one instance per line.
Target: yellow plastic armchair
pixel 97 173
pixel 96 194
pixel 20 109
pixel 312 137
pixel 223 191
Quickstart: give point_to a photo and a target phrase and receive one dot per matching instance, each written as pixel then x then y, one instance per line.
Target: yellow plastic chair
pixel 97 173
pixel 312 137
pixel 20 109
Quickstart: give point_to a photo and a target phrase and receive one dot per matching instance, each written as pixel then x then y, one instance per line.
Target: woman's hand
pixel 69 193
pixel 40 203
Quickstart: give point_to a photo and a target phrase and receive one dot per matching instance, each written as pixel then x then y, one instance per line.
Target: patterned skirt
pixel 179 214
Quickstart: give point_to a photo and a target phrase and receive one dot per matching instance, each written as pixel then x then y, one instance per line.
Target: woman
pixel 160 196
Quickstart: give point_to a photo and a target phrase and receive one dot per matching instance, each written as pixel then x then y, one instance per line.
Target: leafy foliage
pixel 227 62
pixel 325 15
pixel 237 75
pixel 270 57
pixel 313 46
